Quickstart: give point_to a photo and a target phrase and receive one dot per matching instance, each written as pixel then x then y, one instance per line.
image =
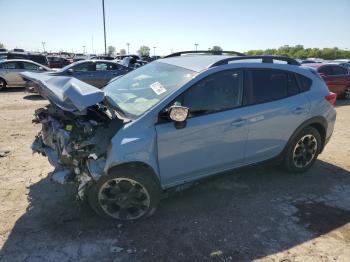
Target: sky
pixel 239 25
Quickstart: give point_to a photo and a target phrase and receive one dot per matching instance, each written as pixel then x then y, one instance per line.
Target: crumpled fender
pixel 128 146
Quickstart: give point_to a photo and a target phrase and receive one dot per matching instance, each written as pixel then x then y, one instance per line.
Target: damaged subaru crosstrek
pixel 177 120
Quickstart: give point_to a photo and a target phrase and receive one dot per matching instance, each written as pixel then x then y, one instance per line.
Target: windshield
pixel 141 89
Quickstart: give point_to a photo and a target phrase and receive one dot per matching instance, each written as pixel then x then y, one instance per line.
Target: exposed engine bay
pixel 75 143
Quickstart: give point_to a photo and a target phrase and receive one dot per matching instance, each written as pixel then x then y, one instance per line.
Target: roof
pixel 194 62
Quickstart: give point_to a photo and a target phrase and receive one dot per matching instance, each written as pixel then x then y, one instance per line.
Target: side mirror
pixel 178 113
pixel 70 71
pixel 41 68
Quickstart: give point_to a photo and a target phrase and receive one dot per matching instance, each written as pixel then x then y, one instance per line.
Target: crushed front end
pixel 75 143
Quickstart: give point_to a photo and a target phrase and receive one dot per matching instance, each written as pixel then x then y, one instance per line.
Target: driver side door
pixel 213 137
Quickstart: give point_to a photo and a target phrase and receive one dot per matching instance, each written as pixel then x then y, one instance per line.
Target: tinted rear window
pixel 268 85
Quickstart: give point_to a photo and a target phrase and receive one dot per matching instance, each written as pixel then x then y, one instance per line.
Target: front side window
pixel 83 67
pixel 326 70
pixel 218 92
pixel 30 66
pixel 268 85
pixel 141 89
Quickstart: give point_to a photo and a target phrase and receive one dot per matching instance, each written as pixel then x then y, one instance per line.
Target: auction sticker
pixel 158 88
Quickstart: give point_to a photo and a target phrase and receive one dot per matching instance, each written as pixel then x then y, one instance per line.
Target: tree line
pixel 299 51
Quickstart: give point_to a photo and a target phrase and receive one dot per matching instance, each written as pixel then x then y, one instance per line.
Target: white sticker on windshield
pixel 158 88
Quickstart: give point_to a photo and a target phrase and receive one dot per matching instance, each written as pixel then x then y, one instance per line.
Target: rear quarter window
pixel 304 82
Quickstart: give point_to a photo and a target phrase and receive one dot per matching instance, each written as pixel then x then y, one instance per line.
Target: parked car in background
pixel 337 78
pixel 10 72
pixel 3 55
pixel 57 61
pixel 132 62
pixel 177 120
pixel 36 57
pixel 102 57
pixel 121 57
pixel 94 72
pixel 79 57
pixel 3 50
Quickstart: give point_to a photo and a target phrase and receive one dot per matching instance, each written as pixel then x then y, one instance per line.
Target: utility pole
pixel 196 46
pixel 43 43
pixel 104 24
pixel 84 49
pixel 154 51
pixel 128 44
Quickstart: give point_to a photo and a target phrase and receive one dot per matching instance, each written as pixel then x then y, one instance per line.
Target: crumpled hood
pixel 68 93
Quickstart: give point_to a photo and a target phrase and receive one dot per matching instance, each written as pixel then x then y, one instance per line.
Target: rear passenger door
pixel 12 70
pixel 275 108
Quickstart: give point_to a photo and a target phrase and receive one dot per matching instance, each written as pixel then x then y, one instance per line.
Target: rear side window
pixel 30 66
pixel 304 82
pixel 268 85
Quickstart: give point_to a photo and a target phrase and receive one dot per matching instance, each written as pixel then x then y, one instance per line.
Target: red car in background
pixel 337 78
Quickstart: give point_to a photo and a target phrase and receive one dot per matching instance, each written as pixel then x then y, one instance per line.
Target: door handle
pixel 299 110
pixel 238 122
pixel 257 118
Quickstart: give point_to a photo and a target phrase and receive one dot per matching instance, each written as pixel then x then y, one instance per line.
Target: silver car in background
pixel 10 72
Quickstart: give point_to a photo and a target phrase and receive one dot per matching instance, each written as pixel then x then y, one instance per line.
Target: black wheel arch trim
pixel 318 122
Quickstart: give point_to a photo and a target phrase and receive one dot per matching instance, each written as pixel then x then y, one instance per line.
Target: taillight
pixel 331 98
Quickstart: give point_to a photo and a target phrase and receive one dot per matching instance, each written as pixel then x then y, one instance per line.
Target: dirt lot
pixel 257 214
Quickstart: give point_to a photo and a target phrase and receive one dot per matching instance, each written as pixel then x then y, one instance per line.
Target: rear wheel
pixel 2 84
pixel 125 194
pixel 303 150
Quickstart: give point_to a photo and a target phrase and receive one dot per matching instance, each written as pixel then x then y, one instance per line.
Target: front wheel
pixel 303 150
pixel 125 194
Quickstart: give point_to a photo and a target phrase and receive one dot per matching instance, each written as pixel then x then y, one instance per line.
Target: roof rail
pixel 265 59
pixel 204 52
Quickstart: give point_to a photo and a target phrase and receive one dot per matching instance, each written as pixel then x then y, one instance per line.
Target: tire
pixel 125 194
pixel 2 84
pixel 346 94
pixel 302 151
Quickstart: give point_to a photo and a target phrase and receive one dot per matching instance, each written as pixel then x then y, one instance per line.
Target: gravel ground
pixel 259 214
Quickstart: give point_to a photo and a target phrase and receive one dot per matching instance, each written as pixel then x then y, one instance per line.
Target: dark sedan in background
pixel 94 72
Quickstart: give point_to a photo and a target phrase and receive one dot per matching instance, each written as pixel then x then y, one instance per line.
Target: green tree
pixel 216 48
pixel 122 52
pixel 111 50
pixel 144 51
pixel 2 45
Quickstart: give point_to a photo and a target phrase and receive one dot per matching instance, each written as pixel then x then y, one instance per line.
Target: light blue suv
pixel 177 120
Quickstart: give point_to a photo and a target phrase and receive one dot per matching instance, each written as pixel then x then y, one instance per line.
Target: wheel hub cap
pixel 124 198
pixel 305 151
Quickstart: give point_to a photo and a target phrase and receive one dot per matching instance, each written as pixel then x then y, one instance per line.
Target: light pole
pixel 154 51
pixel 104 24
pixel 196 47
pixel 84 49
pixel 43 43
pixel 128 44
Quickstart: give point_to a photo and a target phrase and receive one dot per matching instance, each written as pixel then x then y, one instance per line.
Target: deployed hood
pixel 68 93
